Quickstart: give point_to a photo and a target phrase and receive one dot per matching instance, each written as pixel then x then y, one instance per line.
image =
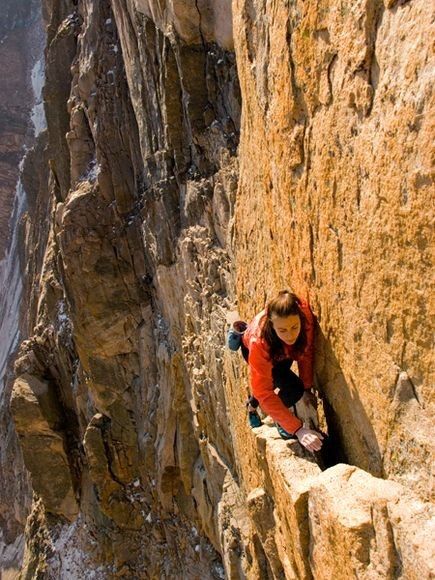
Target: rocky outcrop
pixel 380 525
pixel 160 221
pixel 37 421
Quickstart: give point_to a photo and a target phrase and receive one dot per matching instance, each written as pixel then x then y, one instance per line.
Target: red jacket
pixel 260 367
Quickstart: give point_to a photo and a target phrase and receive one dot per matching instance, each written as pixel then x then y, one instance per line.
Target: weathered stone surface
pixel 195 21
pixel 38 420
pixel 101 452
pixel 358 515
pixel 260 507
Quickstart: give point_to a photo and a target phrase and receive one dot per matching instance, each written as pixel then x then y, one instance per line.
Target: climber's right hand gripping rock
pixel 310 439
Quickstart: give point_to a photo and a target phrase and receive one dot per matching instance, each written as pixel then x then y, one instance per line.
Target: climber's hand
pixel 309 398
pixel 310 439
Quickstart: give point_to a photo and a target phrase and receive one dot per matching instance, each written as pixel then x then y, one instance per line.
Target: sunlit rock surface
pixel 335 181
pixel 200 156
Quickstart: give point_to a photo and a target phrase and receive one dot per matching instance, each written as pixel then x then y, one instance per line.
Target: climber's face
pixel 287 328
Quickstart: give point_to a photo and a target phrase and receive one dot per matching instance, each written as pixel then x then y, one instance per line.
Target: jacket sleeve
pixel 306 360
pixel 260 368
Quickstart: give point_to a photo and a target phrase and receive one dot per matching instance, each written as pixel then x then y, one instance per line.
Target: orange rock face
pixel 335 181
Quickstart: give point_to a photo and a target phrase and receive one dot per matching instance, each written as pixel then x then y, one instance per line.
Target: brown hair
pixel 284 304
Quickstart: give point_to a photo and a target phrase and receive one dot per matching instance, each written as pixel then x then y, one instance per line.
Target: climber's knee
pixel 291 388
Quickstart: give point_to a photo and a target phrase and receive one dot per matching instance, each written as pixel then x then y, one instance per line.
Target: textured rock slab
pixel 110 482
pixel 362 527
pixel 37 419
pixel 195 21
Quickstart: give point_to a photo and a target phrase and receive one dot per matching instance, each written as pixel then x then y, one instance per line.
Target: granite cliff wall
pixel 202 155
pixel 341 144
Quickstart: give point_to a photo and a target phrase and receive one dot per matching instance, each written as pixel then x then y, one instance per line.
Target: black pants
pixel 290 386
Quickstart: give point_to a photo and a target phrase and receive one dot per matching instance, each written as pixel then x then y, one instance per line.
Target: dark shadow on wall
pixel 332 451
pixel 351 436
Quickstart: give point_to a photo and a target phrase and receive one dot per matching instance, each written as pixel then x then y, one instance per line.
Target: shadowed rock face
pixel 153 222
pixel 20 34
pixel 21 45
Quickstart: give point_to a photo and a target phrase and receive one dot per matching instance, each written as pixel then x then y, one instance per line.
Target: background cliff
pixel 200 156
pixel 21 118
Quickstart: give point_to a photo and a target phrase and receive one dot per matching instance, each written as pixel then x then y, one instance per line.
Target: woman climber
pixel 278 335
